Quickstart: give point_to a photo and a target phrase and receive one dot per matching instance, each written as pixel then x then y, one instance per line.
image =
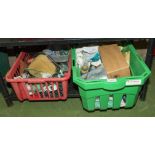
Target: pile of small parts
pixel 103 62
pixel 47 64
pixel 89 62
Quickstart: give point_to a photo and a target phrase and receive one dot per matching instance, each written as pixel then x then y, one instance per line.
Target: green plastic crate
pixel 95 94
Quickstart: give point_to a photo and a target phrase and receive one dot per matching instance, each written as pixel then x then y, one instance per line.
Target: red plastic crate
pixel 34 89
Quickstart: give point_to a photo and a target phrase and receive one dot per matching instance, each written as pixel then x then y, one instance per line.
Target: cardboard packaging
pixel 114 61
pixel 41 64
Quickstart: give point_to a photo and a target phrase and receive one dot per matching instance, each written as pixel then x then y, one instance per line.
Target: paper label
pixel 111 80
pixel 133 82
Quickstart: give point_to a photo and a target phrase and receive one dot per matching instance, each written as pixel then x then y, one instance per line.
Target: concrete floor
pixel 73 107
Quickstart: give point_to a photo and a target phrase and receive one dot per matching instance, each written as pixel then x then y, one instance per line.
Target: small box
pixel 114 61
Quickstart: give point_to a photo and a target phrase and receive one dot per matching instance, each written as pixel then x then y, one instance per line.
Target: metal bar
pixel 56 41
pixel 148 61
pixel 5 91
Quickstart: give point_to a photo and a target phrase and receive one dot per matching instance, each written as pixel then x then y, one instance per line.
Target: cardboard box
pixel 114 61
